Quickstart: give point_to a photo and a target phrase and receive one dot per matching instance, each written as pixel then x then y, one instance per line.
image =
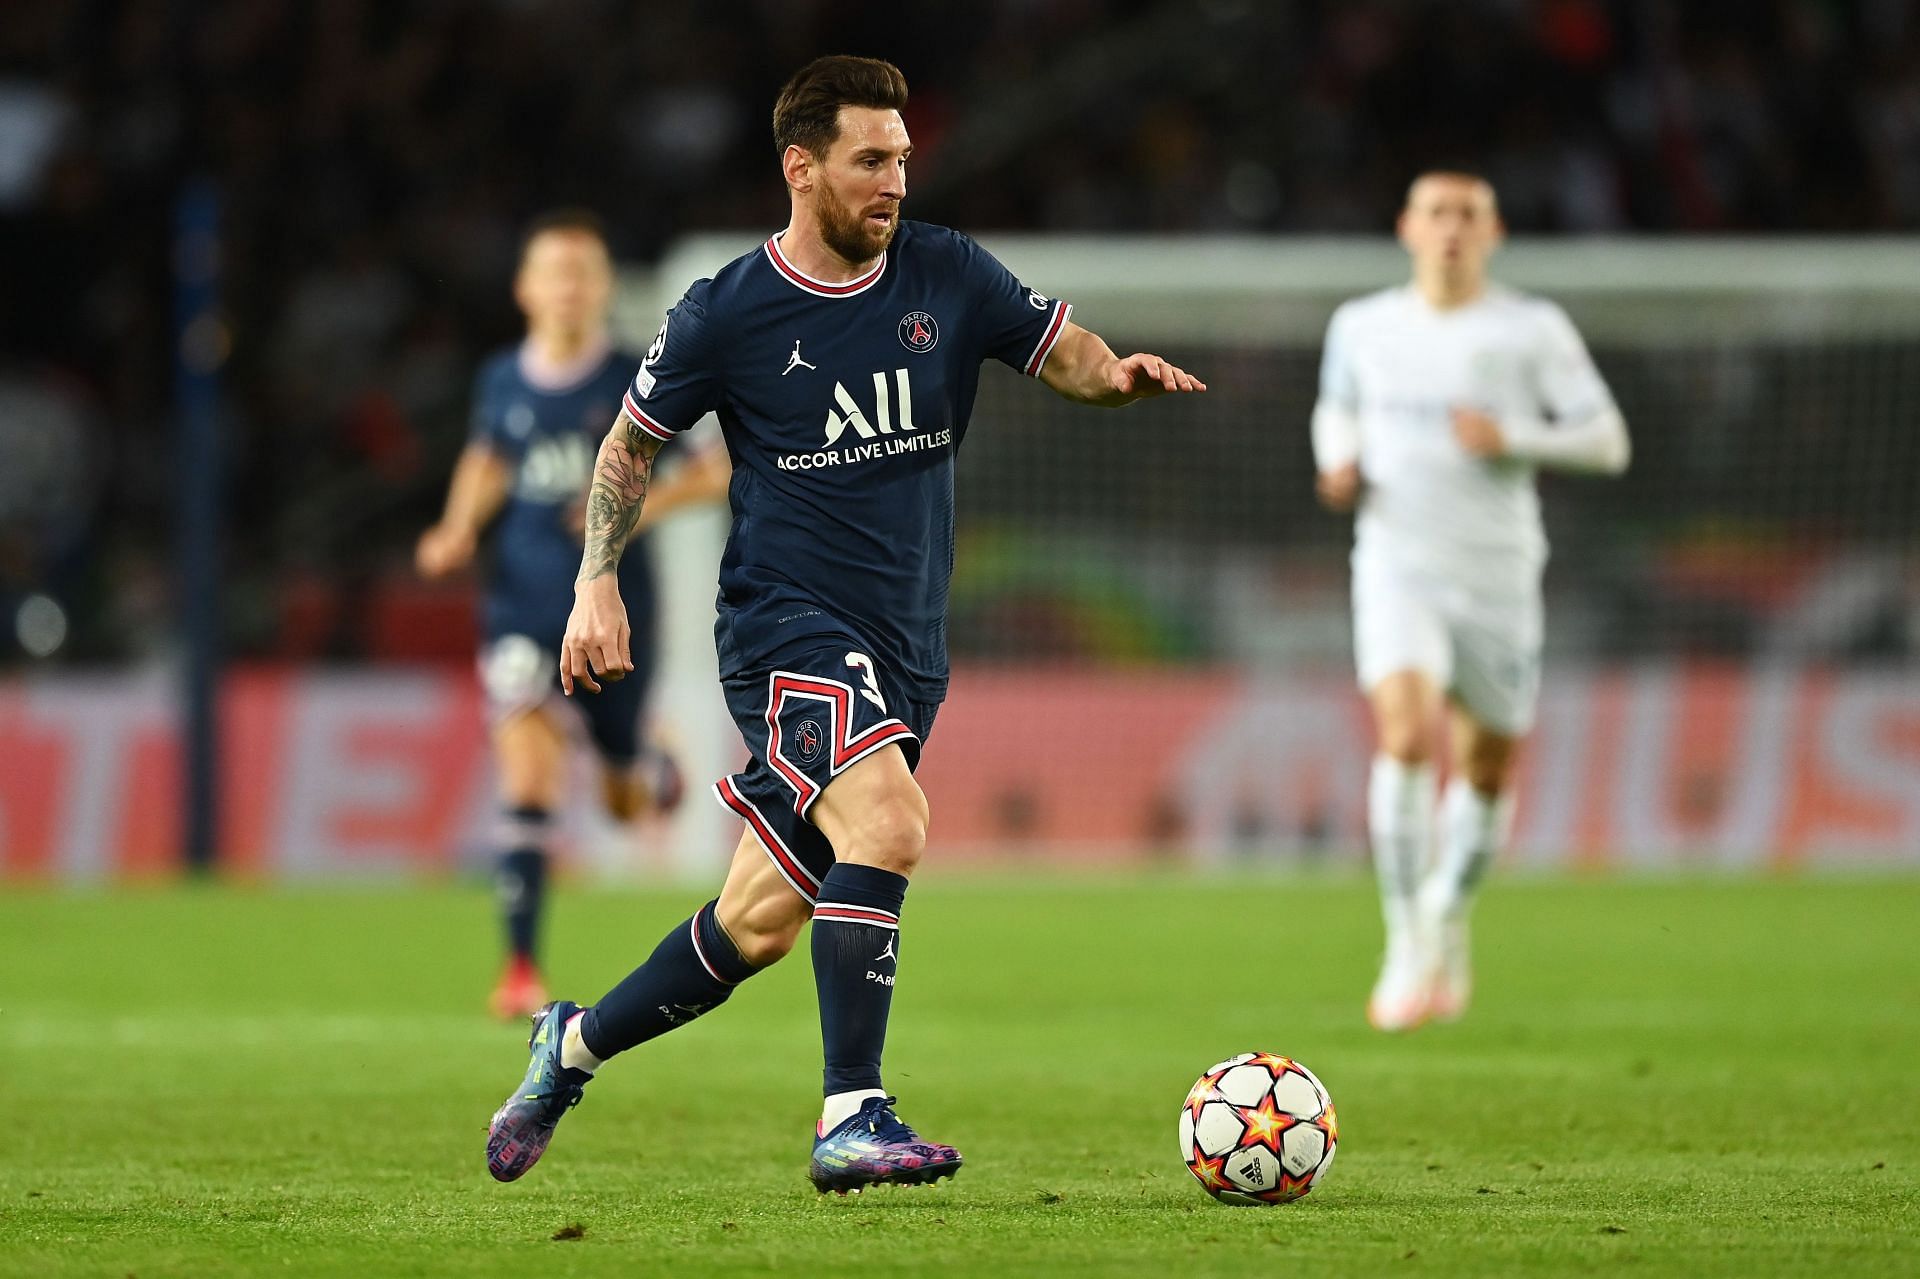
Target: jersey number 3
pixel 864 664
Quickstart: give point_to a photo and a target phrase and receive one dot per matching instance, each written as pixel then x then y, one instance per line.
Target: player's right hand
pixel 443 550
pixel 1339 488
pixel 598 641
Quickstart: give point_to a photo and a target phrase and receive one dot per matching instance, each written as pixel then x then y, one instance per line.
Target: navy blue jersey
pixel 843 406
pixel 549 436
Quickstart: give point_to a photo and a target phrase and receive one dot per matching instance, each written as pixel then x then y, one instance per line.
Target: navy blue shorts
pixel 805 723
pixel 520 674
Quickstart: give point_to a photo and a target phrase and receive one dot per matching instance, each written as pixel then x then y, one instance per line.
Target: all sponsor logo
pixel 849 414
pixel 886 431
pixel 556 469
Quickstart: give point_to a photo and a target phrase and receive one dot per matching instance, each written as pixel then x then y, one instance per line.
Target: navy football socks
pixel 856 949
pixel 522 879
pixel 692 971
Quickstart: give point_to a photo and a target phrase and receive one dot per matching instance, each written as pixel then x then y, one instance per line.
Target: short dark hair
pixel 577 220
pixel 807 112
pixel 1452 173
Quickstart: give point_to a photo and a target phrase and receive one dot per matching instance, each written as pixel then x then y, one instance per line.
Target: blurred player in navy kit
pixel 538 410
pixel 842 357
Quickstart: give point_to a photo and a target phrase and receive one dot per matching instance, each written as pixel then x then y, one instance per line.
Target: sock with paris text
pixel 692 971
pixel 856 952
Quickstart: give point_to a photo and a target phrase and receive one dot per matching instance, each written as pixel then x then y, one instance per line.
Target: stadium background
pixel 1724 195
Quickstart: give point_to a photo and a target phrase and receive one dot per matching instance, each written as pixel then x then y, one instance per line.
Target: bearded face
pixel 856 234
pixel 858 183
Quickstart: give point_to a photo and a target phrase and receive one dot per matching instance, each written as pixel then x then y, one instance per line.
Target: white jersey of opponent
pixel 1395 368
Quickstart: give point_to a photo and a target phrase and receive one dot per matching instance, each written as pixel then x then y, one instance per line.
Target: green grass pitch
pixel 1665 1077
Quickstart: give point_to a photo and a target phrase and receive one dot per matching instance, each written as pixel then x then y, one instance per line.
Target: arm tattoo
pixel 620 477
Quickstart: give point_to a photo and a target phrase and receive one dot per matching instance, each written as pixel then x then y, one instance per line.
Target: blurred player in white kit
pixel 1438 401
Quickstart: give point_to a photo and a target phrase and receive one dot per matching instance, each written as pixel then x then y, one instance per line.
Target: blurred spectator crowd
pixel 375 159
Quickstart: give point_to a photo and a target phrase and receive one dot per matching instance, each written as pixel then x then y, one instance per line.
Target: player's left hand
pixel 598 641
pixel 1140 375
pixel 443 550
pixel 1478 434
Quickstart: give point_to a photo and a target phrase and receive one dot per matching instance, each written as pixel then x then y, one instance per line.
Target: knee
pixel 1487 765
pixel 623 798
pixel 529 788
pixel 764 949
pixel 764 932
pixel 531 761
pixel 1407 742
pixel 1487 774
pixel 891 834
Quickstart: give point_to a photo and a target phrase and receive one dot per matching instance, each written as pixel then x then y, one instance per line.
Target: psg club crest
pixel 807 740
pixel 918 332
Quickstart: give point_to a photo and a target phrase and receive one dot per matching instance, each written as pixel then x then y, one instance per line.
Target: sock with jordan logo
pixel 856 951
pixel 692 971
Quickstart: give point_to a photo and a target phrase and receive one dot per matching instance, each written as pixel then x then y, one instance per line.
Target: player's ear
pixel 797 166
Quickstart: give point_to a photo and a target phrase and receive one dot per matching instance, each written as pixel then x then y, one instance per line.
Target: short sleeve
pixel 1571 388
pixel 1339 385
pixel 487 419
pixel 678 381
pixel 1019 326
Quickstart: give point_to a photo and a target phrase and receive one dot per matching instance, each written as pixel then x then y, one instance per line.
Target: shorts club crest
pixel 806 723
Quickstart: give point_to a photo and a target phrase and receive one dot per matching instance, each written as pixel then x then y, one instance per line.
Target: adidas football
pixel 1258 1129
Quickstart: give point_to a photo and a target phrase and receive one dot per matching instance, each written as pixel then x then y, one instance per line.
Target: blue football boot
pixel 873 1148
pixel 524 1124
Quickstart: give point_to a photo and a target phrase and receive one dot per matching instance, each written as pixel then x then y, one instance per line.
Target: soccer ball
pixel 1258 1129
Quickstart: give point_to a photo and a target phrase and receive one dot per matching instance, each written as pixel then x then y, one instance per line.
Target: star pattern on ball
pixel 1211 1172
pixel 1264 1124
pixel 1202 1094
pixel 1291 1187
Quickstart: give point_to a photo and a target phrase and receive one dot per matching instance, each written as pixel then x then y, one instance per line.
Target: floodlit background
pixel 295 223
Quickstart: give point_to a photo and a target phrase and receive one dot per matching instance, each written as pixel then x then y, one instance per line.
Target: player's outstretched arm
pixel 481 481
pixel 598 640
pixel 1084 368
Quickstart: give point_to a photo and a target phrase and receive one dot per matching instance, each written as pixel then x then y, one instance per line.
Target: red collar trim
pixel 822 288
